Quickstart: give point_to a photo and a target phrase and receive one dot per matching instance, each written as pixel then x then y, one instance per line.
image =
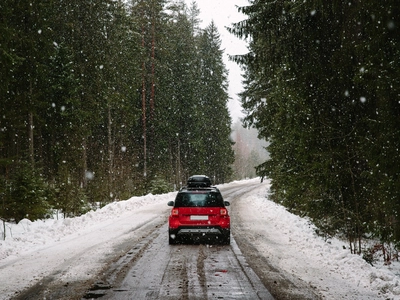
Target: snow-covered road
pixel 76 248
pixel 290 244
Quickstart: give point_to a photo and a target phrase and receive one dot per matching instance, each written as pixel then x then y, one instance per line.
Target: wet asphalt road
pixel 147 267
pixel 186 271
pixel 154 269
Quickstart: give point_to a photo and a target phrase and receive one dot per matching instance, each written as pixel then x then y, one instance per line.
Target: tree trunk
pixel 30 134
pixel 152 96
pixel 110 152
pixel 144 122
pixel 84 163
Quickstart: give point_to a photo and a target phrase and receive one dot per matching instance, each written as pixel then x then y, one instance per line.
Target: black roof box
pixel 199 181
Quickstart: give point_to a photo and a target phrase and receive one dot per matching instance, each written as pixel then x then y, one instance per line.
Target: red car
pixel 199 213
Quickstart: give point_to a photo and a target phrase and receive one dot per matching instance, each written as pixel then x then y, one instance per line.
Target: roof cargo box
pixel 199 181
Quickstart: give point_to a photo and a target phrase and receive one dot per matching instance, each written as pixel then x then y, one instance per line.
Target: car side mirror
pixel 171 203
pixel 227 203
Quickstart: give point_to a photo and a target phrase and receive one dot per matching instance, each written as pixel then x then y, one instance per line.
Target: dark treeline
pixel 102 100
pixel 322 87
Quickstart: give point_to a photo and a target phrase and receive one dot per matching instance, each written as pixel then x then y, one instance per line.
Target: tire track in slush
pixel 188 272
pixel 145 266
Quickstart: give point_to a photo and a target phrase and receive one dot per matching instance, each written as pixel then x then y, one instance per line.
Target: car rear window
pixel 209 199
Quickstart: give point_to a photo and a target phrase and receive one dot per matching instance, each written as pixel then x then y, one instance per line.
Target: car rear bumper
pixel 199 231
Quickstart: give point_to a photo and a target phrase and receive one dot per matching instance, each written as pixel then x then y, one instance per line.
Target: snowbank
pixel 27 236
pixel 289 242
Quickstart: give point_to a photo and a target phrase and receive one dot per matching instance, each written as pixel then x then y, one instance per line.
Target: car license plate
pixel 198 218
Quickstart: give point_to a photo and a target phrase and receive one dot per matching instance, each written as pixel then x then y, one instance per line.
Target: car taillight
pixel 223 212
pixel 175 212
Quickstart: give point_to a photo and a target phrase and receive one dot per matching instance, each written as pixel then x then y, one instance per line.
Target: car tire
pixel 226 240
pixel 172 241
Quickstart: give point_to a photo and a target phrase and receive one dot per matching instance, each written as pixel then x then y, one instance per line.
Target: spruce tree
pixel 214 118
pixel 319 83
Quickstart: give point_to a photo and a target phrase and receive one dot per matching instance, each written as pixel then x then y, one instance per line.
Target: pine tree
pixel 314 88
pixel 177 104
pixel 214 118
pixel 98 93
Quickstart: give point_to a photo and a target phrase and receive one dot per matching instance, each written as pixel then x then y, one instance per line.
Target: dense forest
pixel 322 87
pixel 105 99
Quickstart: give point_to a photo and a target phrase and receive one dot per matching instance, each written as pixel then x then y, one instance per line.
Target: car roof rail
pixel 195 188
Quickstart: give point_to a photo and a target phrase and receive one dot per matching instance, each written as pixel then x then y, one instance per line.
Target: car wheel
pixel 226 239
pixel 172 240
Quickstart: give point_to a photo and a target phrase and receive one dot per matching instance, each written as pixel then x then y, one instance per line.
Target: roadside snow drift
pixel 32 250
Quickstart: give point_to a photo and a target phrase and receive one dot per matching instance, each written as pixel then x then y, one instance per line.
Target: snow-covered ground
pixel 291 244
pixel 33 250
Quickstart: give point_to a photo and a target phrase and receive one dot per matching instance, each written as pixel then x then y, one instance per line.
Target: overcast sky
pixel 224 13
